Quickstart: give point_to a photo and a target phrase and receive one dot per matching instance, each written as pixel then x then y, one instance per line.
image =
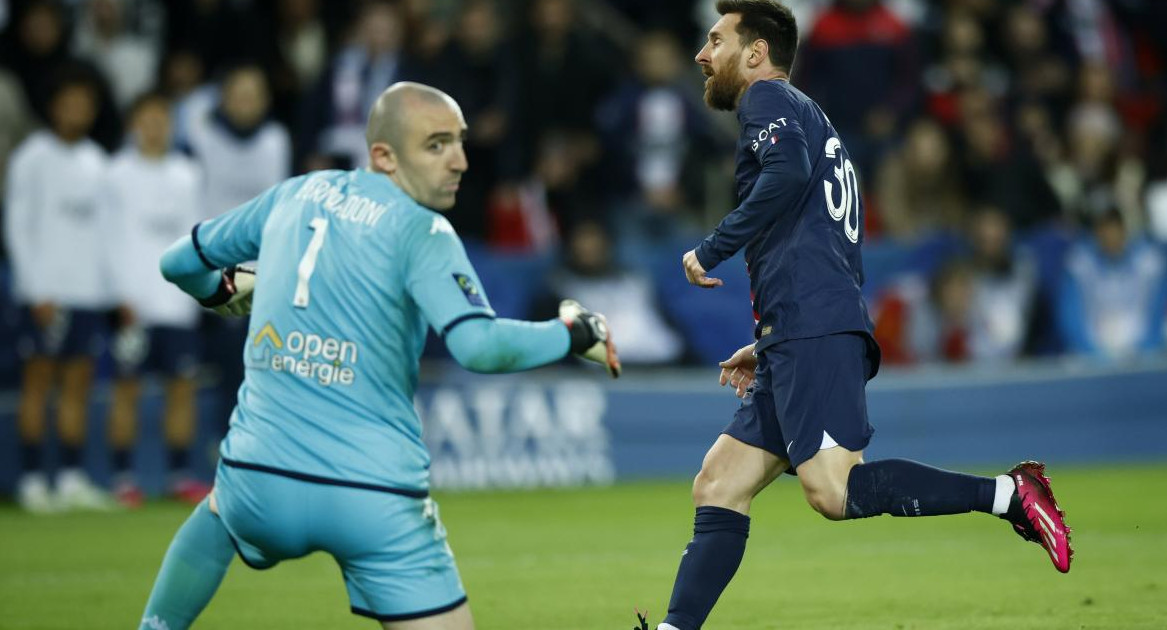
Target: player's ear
pixel 759 52
pixel 383 158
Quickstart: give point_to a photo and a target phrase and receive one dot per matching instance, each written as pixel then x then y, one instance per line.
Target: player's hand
pixel 590 337
pixel 696 273
pixel 233 298
pixel 738 370
pixel 43 313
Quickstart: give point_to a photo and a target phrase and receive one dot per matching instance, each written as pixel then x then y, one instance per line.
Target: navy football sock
pixel 191 572
pixel 708 564
pixel 905 488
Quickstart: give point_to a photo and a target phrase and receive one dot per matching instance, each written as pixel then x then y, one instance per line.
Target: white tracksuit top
pixel 54 228
pixel 150 203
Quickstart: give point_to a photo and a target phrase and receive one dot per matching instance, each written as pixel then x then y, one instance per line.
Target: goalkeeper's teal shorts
pixel 391 548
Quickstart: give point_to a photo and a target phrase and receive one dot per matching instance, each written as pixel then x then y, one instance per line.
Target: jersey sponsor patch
pixel 473 296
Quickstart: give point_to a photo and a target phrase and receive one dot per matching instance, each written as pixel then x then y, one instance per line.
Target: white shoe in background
pixel 34 495
pixel 76 492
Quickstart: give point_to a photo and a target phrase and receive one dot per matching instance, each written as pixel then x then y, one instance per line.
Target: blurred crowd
pixel 1012 155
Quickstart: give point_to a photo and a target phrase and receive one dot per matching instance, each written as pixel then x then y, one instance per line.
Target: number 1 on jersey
pixel 308 262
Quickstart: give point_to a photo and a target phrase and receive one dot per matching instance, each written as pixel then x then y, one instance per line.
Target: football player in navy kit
pixel 802 382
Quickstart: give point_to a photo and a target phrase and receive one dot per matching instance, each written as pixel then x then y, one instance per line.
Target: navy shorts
pixel 72 333
pixel 809 394
pixel 166 350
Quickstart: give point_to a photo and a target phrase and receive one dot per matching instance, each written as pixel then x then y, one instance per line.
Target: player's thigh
pixel 393 553
pixel 457 619
pixel 733 473
pixel 824 479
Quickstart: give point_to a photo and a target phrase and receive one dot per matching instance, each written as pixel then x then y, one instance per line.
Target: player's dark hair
pixel 768 20
pixel 71 75
pixel 151 97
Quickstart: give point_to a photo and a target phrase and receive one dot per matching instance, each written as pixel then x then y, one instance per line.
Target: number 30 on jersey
pixel 848 205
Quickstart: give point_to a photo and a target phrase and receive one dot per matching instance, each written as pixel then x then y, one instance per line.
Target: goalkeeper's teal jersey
pixel 351 272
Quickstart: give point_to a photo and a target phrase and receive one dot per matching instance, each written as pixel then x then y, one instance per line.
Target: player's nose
pixel 458 162
pixel 702 58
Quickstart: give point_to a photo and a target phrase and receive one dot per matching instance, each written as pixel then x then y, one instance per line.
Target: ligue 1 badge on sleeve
pixel 469 289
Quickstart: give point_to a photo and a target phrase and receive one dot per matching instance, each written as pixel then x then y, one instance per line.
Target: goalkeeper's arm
pixel 226 291
pixel 490 345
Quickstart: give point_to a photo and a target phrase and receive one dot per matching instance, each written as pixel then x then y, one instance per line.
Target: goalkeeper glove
pixel 233 297
pixel 590 338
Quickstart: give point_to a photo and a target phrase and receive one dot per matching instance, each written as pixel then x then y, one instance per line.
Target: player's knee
pixel 711 488
pixel 704 487
pixel 826 499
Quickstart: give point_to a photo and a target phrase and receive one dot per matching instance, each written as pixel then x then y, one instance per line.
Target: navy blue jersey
pixel 799 219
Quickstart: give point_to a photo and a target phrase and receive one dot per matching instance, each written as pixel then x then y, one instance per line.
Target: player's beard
pixel 723 87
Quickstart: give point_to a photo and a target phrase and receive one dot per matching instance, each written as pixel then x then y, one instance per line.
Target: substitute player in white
pixel 152 196
pixel 54 232
pixel 325 451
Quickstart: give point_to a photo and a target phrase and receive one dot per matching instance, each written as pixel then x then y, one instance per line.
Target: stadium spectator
pixel 241 153
pixel 552 118
pixel 983 307
pixel 128 61
pixel 919 186
pixel 38 54
pixel 476 69
pixel 1005 286
pixel 239 148
pixel 1113 300
pixel 151 197
pixel 220 32
pixel 656 135
pixel 54 230
pixel 590 273
pixel 859 63
pixel 298 55
pixel 1096 174
pixel 334 114
pixel 924 319
pixel 183 81
pixel 15 120
pixel 1039 66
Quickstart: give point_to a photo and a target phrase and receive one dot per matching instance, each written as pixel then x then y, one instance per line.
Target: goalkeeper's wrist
pixel 222 293
pixel 579 334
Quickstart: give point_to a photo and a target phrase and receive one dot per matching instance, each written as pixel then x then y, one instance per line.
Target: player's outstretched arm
pixel 492 346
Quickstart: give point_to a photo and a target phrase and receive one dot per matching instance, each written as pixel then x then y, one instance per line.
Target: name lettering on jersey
pixel 327 360
pixel 766 134
pixel 352 208
pixel 441 225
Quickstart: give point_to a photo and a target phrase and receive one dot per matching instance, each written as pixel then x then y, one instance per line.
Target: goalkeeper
pixel 325 450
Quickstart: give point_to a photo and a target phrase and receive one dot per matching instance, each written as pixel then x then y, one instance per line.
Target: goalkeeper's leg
pixel 191 572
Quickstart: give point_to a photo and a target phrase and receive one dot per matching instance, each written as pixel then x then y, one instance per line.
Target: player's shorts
pixel 166 350
pixel 73 333
pixel 809 394
pixel 391 548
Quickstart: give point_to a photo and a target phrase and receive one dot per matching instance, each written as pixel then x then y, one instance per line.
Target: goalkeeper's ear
pixel 590 337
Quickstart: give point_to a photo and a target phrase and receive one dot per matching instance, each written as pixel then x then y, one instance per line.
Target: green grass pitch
pixel 582 558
